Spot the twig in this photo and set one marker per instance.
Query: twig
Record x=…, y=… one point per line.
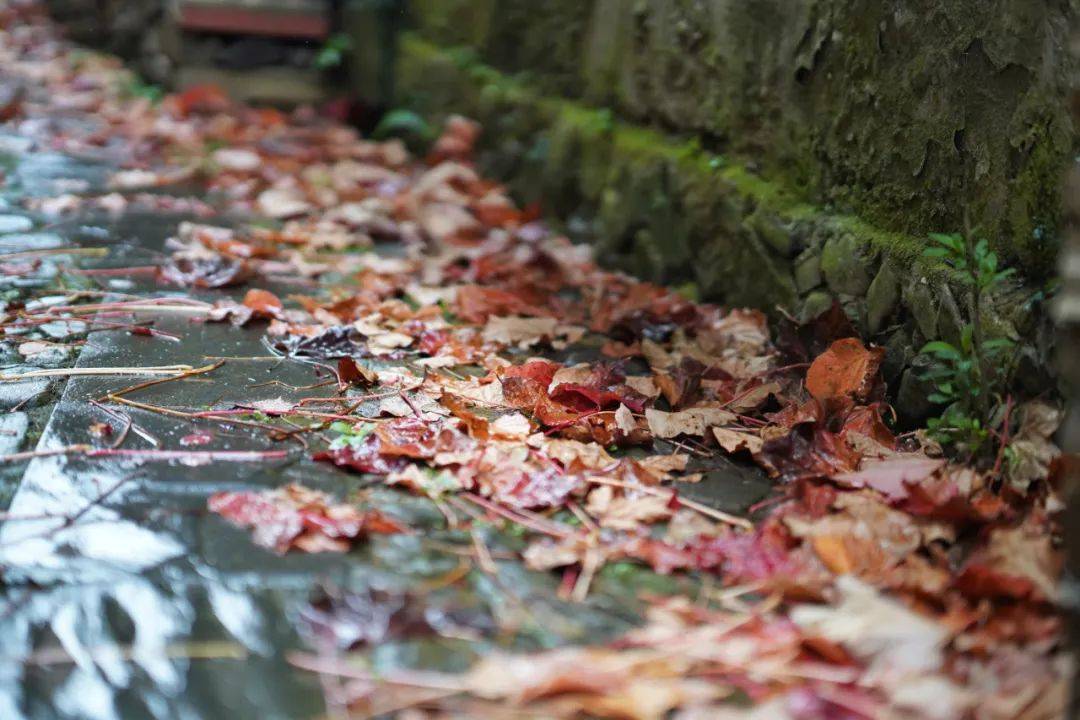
x=1004, y=437
x=92, y=252
x=692, y=504
x=77, y=372
x=589, y=565
x=435, y=681
x=538, y=524
x=187, y=372
x=483, y=555
x=154, y=454
x=132, y=426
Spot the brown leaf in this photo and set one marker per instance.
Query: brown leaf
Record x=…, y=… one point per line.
x=263, y=304
x=1018, y=562
x=735, y=440
x=846, y=370
x=353, y=373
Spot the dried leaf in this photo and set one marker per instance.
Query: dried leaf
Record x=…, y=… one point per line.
x=846, y=370
x=694, y=421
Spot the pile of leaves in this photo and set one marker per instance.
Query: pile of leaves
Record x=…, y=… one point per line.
x=881, y=580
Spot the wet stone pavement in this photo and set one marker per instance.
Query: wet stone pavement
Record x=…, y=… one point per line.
x=123, y=597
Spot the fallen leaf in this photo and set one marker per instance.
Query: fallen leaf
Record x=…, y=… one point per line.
x=262, y=303
x=735, y=440
x=694, y=421
x=891, y=477
x=895, y=641
x=354, y=373
x=1018, y=563
x=296, y=517
x=846, y=370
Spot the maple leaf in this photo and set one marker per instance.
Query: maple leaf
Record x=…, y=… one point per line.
x=808, y=451
x=296, y=517
x=847, y=370
x=735, y=440
x=1018, y=562
x=476, y=304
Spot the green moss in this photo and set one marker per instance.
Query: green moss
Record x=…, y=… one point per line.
x=1034, y=209
x=659, y=205
x=452, y=22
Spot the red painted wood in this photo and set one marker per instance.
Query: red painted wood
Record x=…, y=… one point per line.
x=253, y=21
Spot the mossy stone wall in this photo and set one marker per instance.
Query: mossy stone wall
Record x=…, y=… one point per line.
x=906, y=112
x=771, y=157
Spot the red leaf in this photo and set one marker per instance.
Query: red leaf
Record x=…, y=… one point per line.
x=296, y=517
x=408, y=437
x=198, y=99
x=364, y=458
x=476, y=304
x=1018, y=563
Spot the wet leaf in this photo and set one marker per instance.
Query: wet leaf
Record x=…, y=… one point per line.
x=846, y=370
x=295, y=517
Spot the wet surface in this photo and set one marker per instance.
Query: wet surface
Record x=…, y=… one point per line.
x=124, y=598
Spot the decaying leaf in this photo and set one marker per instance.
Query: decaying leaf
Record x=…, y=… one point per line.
x=735, y=440
x=295, y=517
x=846, y=370
x=694, y=421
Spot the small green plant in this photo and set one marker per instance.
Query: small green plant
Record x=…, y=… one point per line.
x=333, y=52
x=350, y=435
x=968, y=379
x=137, y=88
x=407, y=125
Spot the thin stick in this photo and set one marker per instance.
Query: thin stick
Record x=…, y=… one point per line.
x=76, y=372
x=92, y=252
x=92, y=452
x=314, y=663
x=187, y=372
x=539, y=524
x=483, y=555
x=583, y=516
x=171, y=412
x=591, y=562
x=693, y=505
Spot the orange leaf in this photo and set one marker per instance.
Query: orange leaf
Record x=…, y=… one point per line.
x=262, y=302
x=834, y=553
x=846, y=369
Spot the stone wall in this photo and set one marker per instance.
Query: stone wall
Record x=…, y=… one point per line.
x=762, y=185
x=905, y=112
